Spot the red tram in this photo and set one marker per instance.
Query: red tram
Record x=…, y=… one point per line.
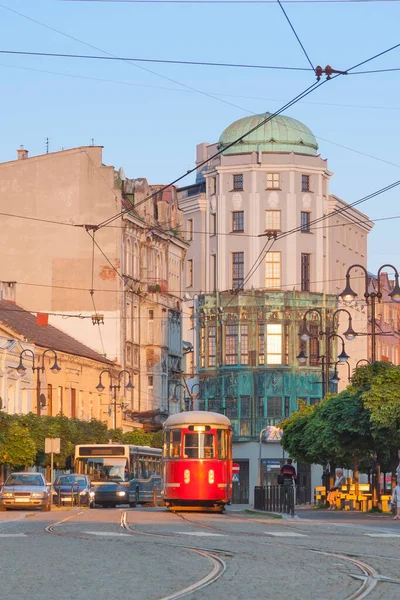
x=197, y=461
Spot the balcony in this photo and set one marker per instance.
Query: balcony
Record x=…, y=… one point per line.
x=157, y=286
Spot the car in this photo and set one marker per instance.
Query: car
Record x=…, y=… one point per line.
x=73, y=489
x=25, y=490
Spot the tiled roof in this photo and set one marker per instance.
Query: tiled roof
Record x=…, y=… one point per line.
x=24, y=323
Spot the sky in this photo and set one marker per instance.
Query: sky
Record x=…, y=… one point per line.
x=150, y=125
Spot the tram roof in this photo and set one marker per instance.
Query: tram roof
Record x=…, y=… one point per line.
x=197, y=417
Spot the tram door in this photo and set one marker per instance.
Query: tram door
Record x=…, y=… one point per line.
x=240, y=491
x=303, y=483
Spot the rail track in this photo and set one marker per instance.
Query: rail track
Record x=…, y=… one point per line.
x=366, y=574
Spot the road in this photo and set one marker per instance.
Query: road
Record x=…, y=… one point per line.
x=152, y=554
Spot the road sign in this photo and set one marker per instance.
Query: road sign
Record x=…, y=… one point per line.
x=52, y=445
x=235, y=478
x=235, y=468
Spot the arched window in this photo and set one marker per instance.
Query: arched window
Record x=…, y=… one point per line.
x=136, y=266
x=128, y=257
x=158, y=268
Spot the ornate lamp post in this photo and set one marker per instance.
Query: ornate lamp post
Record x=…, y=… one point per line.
x=348, y=295
x=21, y=369
x=325, y=359
x=114, y=387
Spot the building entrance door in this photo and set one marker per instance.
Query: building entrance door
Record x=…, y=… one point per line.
x=303, y=483
x=240, y=489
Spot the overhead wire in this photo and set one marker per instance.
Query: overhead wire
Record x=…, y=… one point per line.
x=296, y=35
x=97, y=322
x=153, y=60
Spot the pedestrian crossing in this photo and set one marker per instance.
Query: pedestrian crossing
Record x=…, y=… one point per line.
x=12, y=535
x=285, y=534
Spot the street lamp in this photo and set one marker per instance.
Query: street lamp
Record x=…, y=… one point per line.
x=305, y=335
x=361, y=361
x=114, y=387
x=348, y=295
x=21, y=370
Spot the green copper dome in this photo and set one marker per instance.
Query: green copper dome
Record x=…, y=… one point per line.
x=280, y=134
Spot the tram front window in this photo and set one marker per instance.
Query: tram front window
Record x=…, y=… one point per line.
x=104, y=469
x=199, y=445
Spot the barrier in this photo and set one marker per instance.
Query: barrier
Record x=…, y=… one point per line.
x=275, y=498
x=350, y=497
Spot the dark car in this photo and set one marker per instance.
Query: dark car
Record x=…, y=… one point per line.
x=25, y=490
x=73, y=489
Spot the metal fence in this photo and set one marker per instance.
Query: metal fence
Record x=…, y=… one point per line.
x=275, y=498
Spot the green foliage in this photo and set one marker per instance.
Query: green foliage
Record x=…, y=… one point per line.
x=17, y=448
x=22, y=438
x=157, y=439
x=363, y=419
x=138, y=437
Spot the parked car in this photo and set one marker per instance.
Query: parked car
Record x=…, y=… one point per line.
x=73, y=489
x=25, y=490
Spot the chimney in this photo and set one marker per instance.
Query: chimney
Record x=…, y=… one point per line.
x=22, y=153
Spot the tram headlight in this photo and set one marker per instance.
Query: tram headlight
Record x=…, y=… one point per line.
x=121, y=493
x=211, y=478
x=186, y=476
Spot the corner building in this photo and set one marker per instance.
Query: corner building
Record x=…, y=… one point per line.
x=257, y=262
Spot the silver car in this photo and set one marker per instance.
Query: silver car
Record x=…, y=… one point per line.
x=25, y=490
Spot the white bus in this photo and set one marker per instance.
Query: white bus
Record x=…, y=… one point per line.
x=120, y=473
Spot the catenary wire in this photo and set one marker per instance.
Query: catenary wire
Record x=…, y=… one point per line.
x=300, y=96
x=152, y=60
x=188, y=91
x=295, y=34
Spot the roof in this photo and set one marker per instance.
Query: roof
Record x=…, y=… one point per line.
x=197, y=417
x=279, y=134
x=24, y=323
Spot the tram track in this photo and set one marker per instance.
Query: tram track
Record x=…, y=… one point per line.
x=366, y=573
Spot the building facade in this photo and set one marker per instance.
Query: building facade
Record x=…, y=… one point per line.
x=115, y=288
x=272, y=245
x=71, y=391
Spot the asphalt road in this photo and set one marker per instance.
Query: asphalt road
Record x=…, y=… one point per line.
x=152, y=554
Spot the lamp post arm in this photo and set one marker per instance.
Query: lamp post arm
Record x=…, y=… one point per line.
x=109, y=374
x=396, y=274
x=123, y=372
x=366, y=294
x=313, y=310
x=30, y=352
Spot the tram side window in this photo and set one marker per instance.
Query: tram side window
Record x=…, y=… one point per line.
x=199, y=445
x=222, y=437
x=143, y=469
x=175, y=439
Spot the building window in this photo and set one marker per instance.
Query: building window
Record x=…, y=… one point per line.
x=151, y=315
x=238, y=220
x=238, y=182
x=314, y=401
x=287, y=406
x=314, y=358
x=212, y=345
x=305, y=183
x=231, y=344
x=274, y=407
x=237, y=269
x=274, y=344
x=191, y=316
x=273, y=271
x=231, y=408
x=189, y=273
x=305, y=272
x=261, y=344
x=189, y=231
x=286, y=344
x=244, y=407
x=273, y=181
x=213, y=224
x=244, y=344
x=272, y=220
x=150, y=382
x=260, y=407
x=202, y=358
x=305, y=222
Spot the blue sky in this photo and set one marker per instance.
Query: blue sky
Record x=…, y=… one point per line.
x=151, y=126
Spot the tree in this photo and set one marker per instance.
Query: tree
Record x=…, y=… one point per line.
x=17, y=448
x=157, y=439
x=138, y=437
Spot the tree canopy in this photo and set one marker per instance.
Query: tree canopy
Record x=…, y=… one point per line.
x=22, y=438
x=363, y=419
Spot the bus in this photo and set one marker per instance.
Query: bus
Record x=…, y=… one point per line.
x=197, y=461
x=121, y=473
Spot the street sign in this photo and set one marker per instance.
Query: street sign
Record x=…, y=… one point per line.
x=52, y=445
x=235, y=478
x=235, y=468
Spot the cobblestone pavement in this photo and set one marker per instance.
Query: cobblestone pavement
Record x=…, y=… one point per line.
x=152, y=554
